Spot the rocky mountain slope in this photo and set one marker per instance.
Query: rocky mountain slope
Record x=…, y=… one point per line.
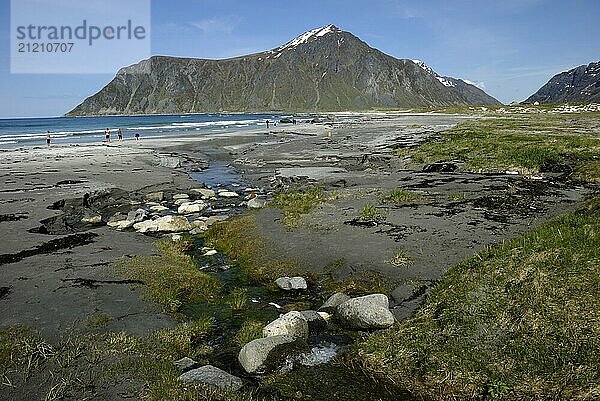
x=325, y=69
x=581, y=84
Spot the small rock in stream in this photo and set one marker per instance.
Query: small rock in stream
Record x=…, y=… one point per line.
x=214, y=376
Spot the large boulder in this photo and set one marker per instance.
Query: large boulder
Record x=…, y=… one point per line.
x=167, y=224
x=291, y=283
x=292, y=324
x=192, y=207
x=368, y=312
x=268, y=353
x=333, y=302
x=214, y=376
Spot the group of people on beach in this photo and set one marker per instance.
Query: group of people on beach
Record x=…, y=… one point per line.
x=119, y=135
x=107, y=135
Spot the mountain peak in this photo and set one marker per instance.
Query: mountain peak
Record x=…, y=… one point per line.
x=579, y=84
x=307, y=36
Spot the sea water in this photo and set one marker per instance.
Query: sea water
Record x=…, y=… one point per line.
x=65, y=130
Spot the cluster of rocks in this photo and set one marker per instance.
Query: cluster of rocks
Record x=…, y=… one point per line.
x=288, y=334
x=191, y=212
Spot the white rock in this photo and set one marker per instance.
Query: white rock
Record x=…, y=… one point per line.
x=210, y=253
x=228, y=194
x=156, y=196
x=253, y=355
x=291, y=283
x=94, y=219
x=184, y=363
x=192, y=207
x=293, y=324
x=158, y=208
x=257, y=203
x=368, y=312
x=181, y=196
x=164, y=224
x=205, y=193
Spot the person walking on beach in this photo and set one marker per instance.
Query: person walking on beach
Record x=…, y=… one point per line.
x=107, y=135
x=48, y=139
x=137, y=136
x=267, y=124
x=119, y=134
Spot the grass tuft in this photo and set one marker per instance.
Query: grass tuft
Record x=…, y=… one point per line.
x=401, y=259
x=400, y=195
x=369, y=212
x=171, y=277
x=98, y=321
x=250, y=330
x=528, y=143
x=296, y=203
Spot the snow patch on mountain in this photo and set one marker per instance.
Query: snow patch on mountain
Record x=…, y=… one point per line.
x=428, y=69
x=306, y=36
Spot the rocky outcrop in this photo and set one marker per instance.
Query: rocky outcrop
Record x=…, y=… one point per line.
x=580, y=84
x=326, y=69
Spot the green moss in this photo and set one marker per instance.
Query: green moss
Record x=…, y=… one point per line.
x=517, y=321
x=250, y=330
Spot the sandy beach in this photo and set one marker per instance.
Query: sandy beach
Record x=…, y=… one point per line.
x=57, y=252
x=55, y=288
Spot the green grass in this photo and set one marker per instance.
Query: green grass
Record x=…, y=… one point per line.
x=527, y=143
x=517, y=321
x=76, y=367
x=243, y=244
x=238, y=299
x=296, y=203
x=457, y=197
x=400, y=195
x=369, y=212
x=171, y=277
x=250, y=330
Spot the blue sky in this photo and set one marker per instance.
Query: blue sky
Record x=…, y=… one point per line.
x=509, y=47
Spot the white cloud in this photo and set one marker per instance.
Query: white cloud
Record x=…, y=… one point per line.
x=216, y=25
x=480, y=85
